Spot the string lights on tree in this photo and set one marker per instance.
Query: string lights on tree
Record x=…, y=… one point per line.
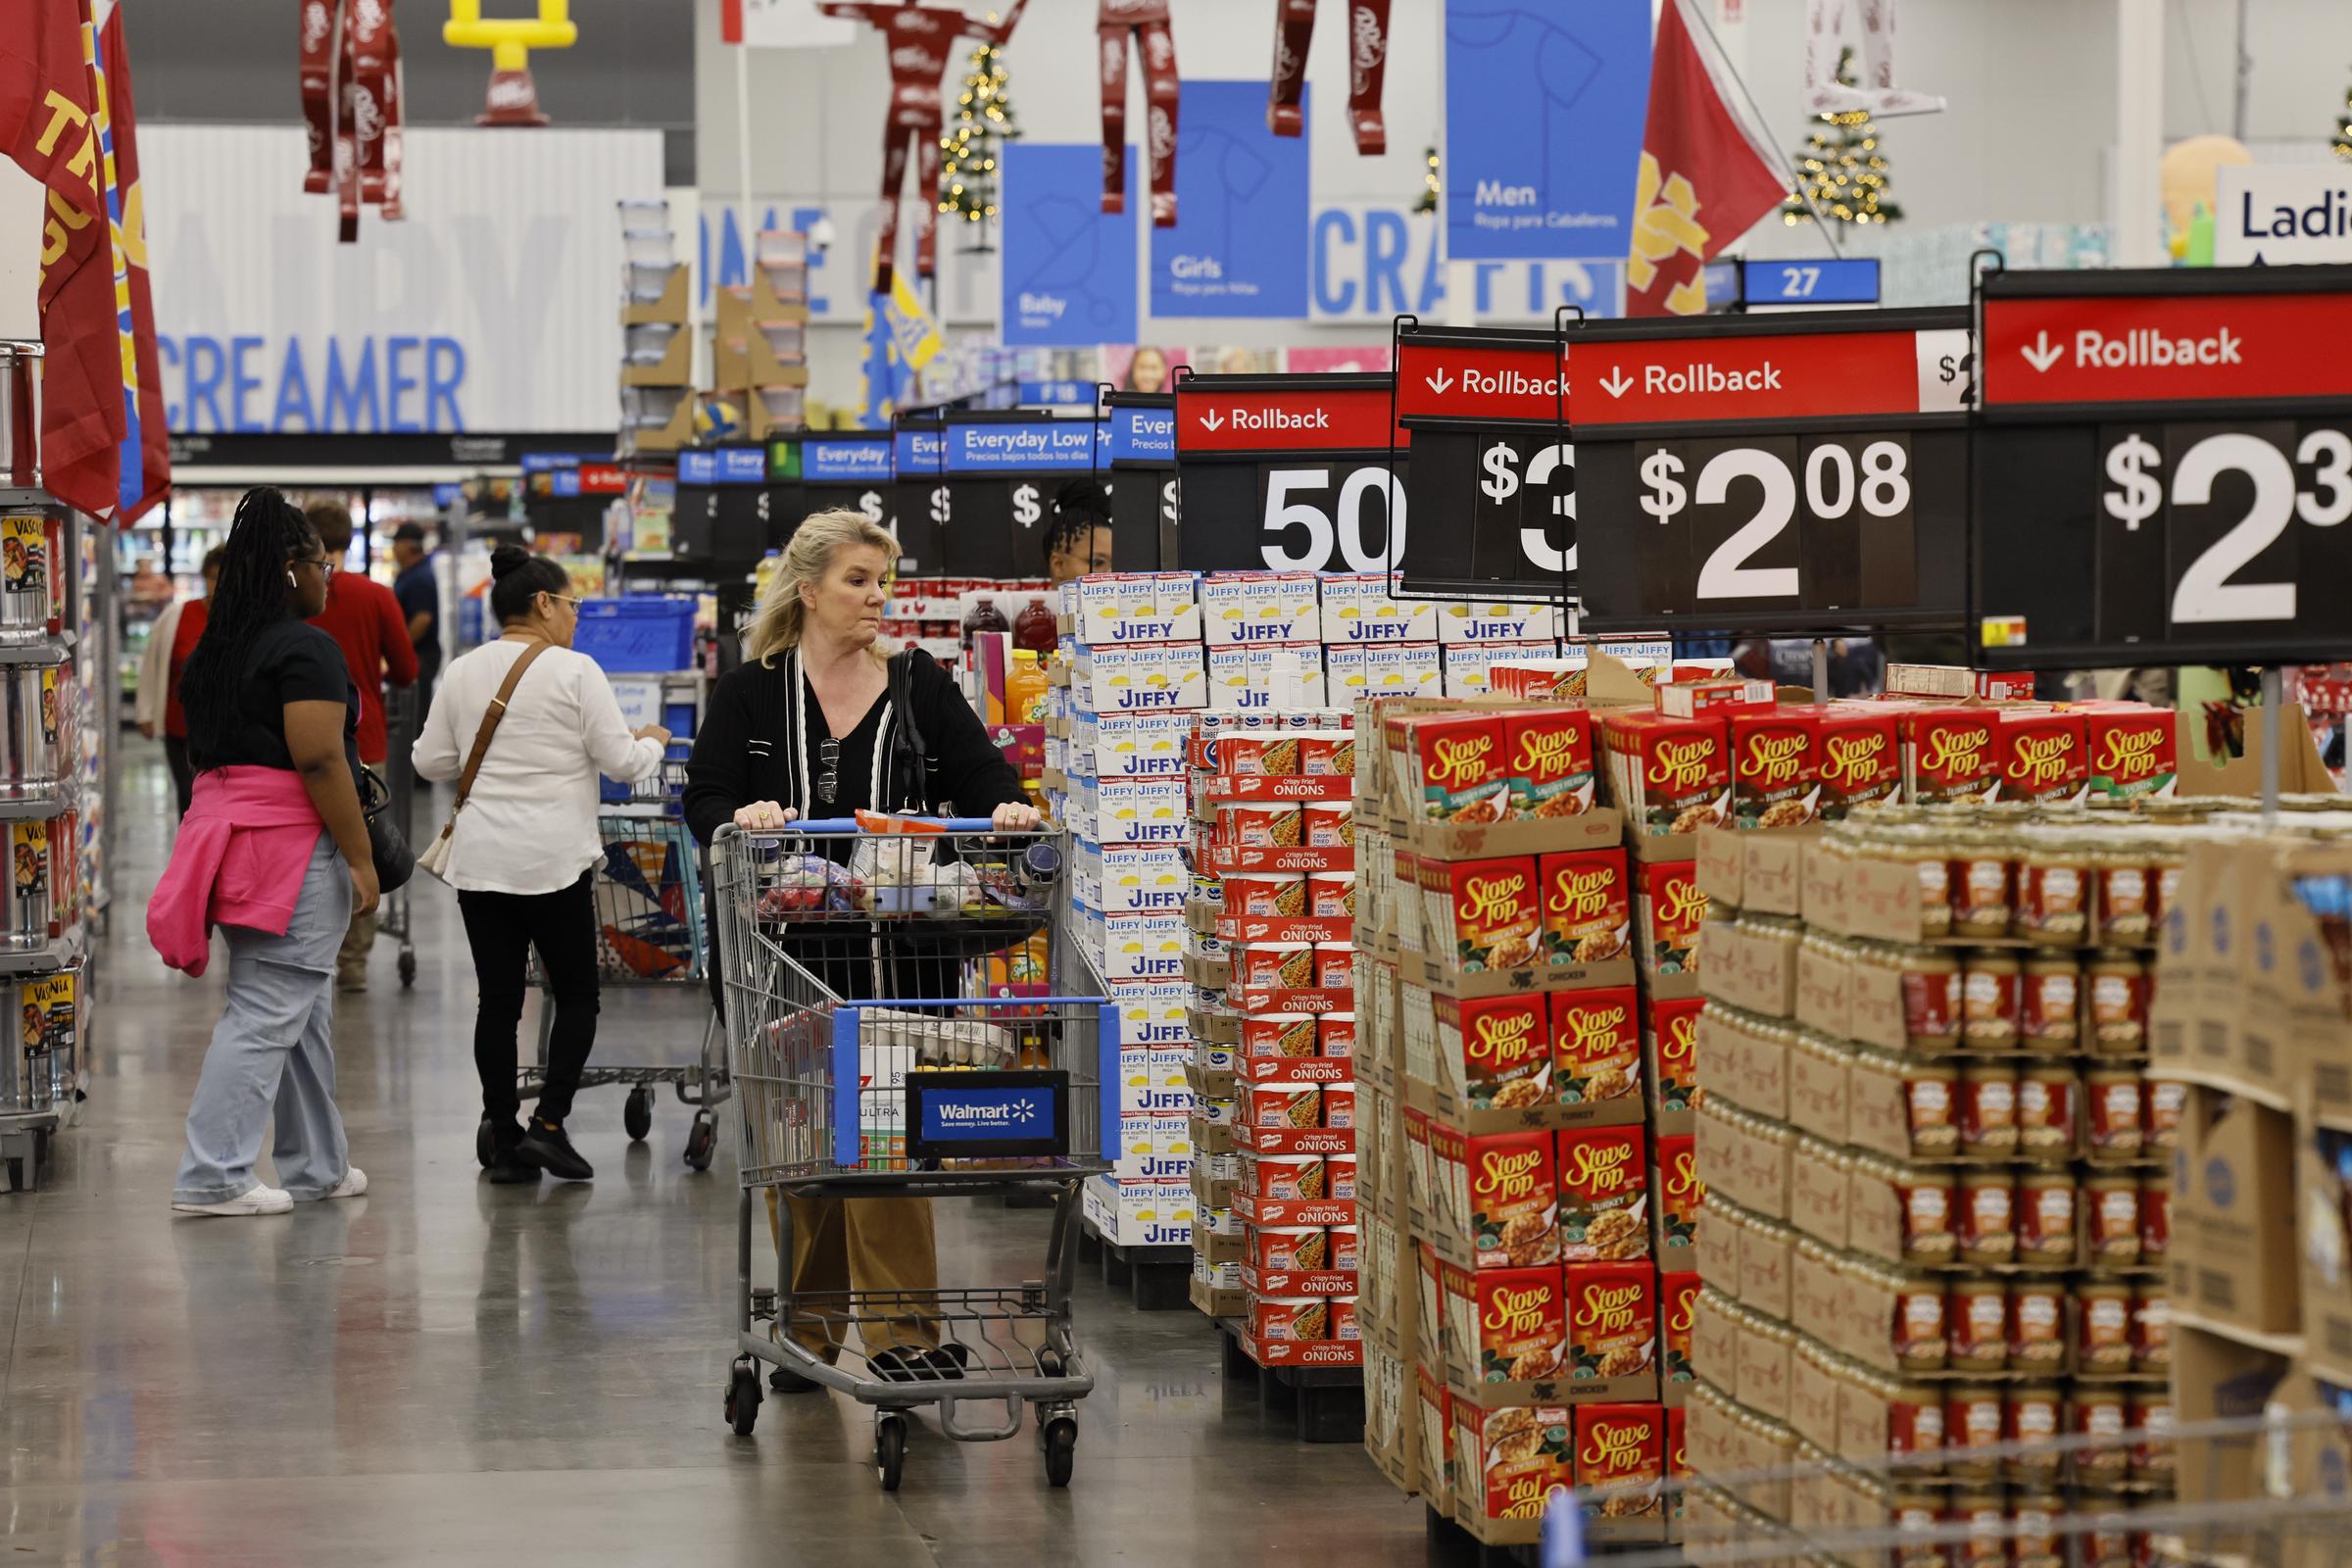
x=2342, y=145
x=1429, y=183
x=975, y=145
x=1843, y=170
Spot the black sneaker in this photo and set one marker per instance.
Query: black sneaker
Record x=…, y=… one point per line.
x=511, y=1169
x=910, y=1364
x=545, y=1144
x=784, y=1379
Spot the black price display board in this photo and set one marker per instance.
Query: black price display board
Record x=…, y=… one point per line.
x=787, y=504
x=1289, y=473
x=2163, y=468
x=1493, y=486
x=1141, y=480
x=850, y=471
x=722, y=507
x=926, y=503
x=1002, y=469
x=1789, y=475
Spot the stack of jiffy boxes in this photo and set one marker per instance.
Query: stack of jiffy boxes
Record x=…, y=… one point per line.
x=1125, y=688
x=1935, y=1164
x=1526, y=1203
x=1271, y=914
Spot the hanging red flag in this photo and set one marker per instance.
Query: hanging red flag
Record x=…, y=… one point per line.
x=1708, y=169
x=146, y=451
x=49, y=124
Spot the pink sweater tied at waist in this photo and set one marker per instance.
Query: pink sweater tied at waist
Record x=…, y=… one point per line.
x=243, y=851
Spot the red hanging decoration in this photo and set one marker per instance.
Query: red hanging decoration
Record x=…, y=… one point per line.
x=1367, y=69
x=1155, y=48
x=351, y=91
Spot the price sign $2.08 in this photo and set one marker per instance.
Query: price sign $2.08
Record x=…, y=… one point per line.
x=2197, y=526
x=1797, y=522
x=1330, y=518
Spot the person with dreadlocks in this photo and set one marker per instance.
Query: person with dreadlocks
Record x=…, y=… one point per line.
x=1078, y=539
x=274, y=852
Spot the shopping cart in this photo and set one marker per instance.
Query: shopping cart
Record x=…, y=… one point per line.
x=921, y=1093
x=400, y=782
x=648, y=893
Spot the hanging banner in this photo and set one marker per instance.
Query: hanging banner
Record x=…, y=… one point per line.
x=1789, y=474
x=1069, y=273
x=1543, y=114
x=1288, y=474
x=1239, y=246
x=2163, y=468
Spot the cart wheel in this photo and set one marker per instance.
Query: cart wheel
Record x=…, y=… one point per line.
x=743, y=1398
x=637, y=1114
x=702, y=1141
x=890, y=1448
x=408, y=967
x=485, y=1144
x=1062, y=1450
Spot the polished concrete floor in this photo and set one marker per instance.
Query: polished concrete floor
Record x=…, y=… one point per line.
x=453, y=1374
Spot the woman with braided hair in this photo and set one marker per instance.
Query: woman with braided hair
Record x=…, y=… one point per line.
x=1078, y=538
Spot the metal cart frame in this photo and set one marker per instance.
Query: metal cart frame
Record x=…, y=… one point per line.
x=803, y=1062
x=393, y=916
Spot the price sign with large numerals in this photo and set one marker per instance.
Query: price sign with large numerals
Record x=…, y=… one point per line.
x=1002, y=472
x=924, y=503
x=1788, y=474
x=2163, y=470
x=1490, y=449
x=1142, y=481
x=1290, y=473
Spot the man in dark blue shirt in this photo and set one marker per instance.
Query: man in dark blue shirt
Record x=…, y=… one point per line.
x=419, y=596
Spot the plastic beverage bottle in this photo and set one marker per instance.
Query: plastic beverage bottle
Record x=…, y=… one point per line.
x=984, y=615
x=1034, y=628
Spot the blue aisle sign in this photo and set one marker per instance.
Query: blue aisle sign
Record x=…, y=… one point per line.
x=1068, y=270
x=698, y=467
x=845, y=462
x=1239, y=247
x=921, y=451
x=1543, y=112
x=1055, y=394
x=1009, y=448
x=1828, y=280
x=1143, y=435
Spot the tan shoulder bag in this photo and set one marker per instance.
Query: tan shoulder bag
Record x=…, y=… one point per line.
x=435, y=858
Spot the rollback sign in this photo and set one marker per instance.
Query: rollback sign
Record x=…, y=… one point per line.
x=1487, y=411
x=1142, y=456
x=1785, y=474
x=1003, y=470
x=2179, y=441
x=1289, y=473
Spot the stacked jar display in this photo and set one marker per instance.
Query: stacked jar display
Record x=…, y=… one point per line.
x=1937, y=1171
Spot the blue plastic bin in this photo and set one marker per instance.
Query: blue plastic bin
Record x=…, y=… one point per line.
x=644, y=634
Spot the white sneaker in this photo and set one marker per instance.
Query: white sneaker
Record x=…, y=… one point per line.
x=353, y=1185
x=259, y=1200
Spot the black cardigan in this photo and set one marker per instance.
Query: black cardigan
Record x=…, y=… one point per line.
x=751, y=743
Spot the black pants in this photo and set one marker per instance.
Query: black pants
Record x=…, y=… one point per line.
x=502, y=928
x=183, y=771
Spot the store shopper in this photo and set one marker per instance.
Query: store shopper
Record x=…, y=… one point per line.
x=1078, y=539
x=533, y=723
x=274, y=852
x=419, y=589
x=170, y=642
x=820, y=722
x=363, y=619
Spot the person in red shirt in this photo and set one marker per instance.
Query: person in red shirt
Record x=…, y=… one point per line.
x=366, y=621
x=169, y=645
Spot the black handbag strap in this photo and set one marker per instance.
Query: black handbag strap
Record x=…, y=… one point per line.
x=901, y=704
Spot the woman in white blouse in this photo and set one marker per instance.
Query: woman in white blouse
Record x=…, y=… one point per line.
x=523, y=851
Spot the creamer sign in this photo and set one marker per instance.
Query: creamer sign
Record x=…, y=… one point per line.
x=391, y=384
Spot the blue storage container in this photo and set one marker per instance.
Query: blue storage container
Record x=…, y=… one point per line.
x=644, y=634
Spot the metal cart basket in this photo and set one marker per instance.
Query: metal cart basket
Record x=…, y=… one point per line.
x=920, y=1093
x=648, y=893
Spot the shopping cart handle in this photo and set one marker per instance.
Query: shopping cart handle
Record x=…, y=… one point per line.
x=848, y=825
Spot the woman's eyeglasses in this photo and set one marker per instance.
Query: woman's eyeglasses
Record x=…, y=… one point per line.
x=326, y=568
x=828, y=779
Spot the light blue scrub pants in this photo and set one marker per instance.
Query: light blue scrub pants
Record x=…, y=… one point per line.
x=274, y=1050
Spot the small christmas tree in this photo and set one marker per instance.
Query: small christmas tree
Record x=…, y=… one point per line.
x=1427, y=202
x=2342, y=145
x=1843, y=171
x=973, y=145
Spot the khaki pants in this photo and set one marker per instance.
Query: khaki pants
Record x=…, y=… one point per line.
x=864, y=1244
x=351, y=960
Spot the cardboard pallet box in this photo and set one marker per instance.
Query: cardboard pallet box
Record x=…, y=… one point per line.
x=2234, y=1257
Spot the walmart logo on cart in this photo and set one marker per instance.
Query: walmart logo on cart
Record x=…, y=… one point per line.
x=988, y=1113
